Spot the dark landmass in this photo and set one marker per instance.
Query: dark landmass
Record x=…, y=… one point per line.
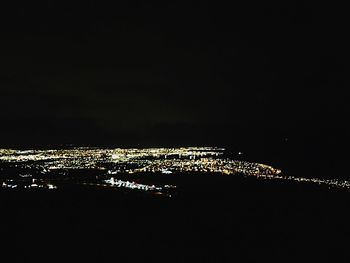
x=222, y=219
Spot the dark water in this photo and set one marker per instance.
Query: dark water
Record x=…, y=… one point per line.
x=212, y=220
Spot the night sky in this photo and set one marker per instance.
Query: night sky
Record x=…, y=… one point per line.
x=245, y=75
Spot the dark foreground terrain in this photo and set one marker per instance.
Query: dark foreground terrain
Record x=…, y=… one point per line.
x=230, y=219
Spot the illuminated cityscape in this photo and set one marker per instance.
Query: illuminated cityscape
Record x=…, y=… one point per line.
x=128, y=168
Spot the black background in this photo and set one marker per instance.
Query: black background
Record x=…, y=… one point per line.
x=269, y=79
x=203, y=73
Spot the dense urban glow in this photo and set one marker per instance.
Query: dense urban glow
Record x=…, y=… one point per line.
x=106, y=167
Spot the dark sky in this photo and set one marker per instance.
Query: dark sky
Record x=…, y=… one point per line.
x=174, y=73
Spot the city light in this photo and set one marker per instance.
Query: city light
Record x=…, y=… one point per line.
x=49, y=168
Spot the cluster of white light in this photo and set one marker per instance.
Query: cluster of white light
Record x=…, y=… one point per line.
x=7, y=185
x=13, y=184
x=203, y=165
x=132, y=185
x=326, y=182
